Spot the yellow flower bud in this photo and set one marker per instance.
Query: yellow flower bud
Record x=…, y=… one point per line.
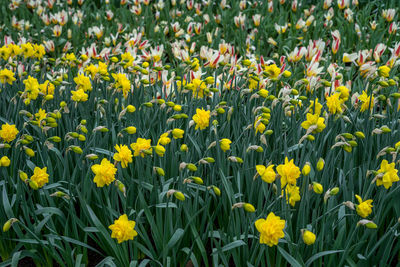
x=160, y=171
x=7, y=225
x=318, y=188
x=249, y=208
x=130, y=108
x=269, y=132
x=306, y=169
x=130, y=130
x=286, y=74
x=160, y=150
x=81, y=138
x=29, y=152
x=308, y=237
x=359, y=135
x=197, y=180
x=334, y=191
x=55, y=139
x=320, y=164
x=76, y=149
x=5, y=161
x=33, y=185
x=22, y=175
x=209, y=159
x=179, y=195
x=184, y=148
x=216, y=190
x=192, y=167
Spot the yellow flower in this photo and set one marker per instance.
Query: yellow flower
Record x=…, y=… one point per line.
x=225, y=144
x=271, y=229
x=79, y=96
x=272, y=71
x=164, y=139
x=92, y=70
x=123, y=229
x=388, y=174
x=289, y=172
x=124, y=155
x=308, y=237
x=6, y=76
x=83, y=82
x=292, y=194
x=198, y=88
x=122, y=82
x=27, y=49
x=140, y=146
x=177, y=133
x=40, y=176
x=263, y=93
x=104, y=173
x=47, y=88
x=8, y=132
x=317, y=105
x=314, y=120
x=344, y=92
x=40, y=116
x=201, y=118
x=366, y=101
x=364, y=208
x=267, y=173
x=260, y=127
x=103, y=69
x=334, y=103
x=31, y=87
x=383, y=71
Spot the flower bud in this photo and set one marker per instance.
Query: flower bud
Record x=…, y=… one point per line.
x=334, y=191
x=360, y=135
x=197, y=180
x=29, y=152
x=308, y=237
x=130, y=130
x=306, y=169
x=318, y=188
x=269, y=132
x=191, y=167
x=5, y=161
x=209, y=159
x=216, y=190
x=160, y=171
x=22, y=175
x=130, y=108
x=9, y=223
x=55, y=139
x=320, y=164
x=184, y=148
x=33, y=185
x=248, y=207
x=76, y=149
x=179, y=195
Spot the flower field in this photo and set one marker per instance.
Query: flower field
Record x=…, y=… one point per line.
x=199, y=133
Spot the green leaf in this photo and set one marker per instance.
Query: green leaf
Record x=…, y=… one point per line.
x=321, y=254
x=292, y=261
x=175, y=238
x=231, y=245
